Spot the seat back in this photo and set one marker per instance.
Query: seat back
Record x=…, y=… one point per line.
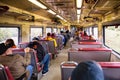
x=87, y=40
x=66, y=69
x=111, y=70
x=44, y=45
x=87, y=45
x=51, y=47
x=23, y=44
x=9, y=75
x=85, y=55
x=3, y=75
x=34, y=61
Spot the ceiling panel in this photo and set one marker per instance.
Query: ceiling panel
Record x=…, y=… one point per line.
x=66, y=8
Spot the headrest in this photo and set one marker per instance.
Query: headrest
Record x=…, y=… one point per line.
x=110, y=64
x=94, y=49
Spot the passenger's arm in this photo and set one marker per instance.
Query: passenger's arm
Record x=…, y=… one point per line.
x=27, y=57
x=55, y=43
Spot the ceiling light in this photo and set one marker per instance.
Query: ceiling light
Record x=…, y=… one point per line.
x=78, y=20
x=78, y=11
x=38, y=4
x=78, y=17
x=60, y=17
x=52, y=12
x=79, y=3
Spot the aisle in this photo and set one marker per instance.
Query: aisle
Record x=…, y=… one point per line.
x=54, y=70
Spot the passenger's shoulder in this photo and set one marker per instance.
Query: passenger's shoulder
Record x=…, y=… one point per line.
x=18, y=56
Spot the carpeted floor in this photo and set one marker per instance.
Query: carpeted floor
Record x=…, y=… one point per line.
x=54, y=70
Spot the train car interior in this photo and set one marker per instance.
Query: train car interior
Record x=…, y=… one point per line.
x=80, y=30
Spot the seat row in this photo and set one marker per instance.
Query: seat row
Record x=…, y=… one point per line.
x=5, y=72
x=85, y=51
x=111, y=70
x=37, y=69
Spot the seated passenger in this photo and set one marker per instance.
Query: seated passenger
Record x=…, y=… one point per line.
x=91, y=37
x=53, y=35
x=43, y=58
x=85, y=37
x=17, y=64
x=9, y=43
x=89, y=70
x=51, y=39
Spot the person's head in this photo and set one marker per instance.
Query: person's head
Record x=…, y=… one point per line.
x=7, y=52
x=48, y=34
x=9, y=43
x=88, y=70
x=53, y=35
x=35, y=39
x=61, y=32
x=85, y=34
x=91, y=37
x=33, y=45
x=67, y=31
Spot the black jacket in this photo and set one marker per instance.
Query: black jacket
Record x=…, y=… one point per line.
x=40, y=50
x=3, y=48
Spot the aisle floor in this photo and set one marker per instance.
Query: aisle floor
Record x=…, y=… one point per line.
x=54, y=70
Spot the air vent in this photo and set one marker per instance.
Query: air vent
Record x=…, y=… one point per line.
x=59, y=4
x=90, y=1
x=3, y=9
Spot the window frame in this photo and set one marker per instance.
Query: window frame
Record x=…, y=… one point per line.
x=105, y=38
x=50, y=28
x=33, y=26
x=14, y=26
x=53, y=30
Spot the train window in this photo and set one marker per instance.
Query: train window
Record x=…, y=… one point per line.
x=36, y=31
x=48, y=30
x=95, y=32
x=54, y=30
x=61, y=29
x=9, y=32
x=90, y=30
x=58, y=30
x=87, y=30
x=112, y=37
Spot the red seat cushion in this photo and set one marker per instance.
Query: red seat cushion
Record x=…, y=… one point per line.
x=94, y=49
x=110, y=64
x=10, y=77
x=89, y=43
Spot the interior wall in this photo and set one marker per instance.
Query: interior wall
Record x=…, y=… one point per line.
x=7, y=20
x=115, y=58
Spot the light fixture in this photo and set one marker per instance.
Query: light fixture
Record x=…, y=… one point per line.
x=61, y=17
x=78, y=17
x=79, y=3
x=78, y=20
x=78, y=11
x=52, y=12
x=38, y=4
